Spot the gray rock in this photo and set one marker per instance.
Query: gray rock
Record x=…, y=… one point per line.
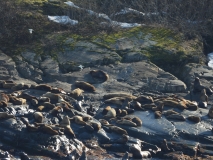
x=31, y=58
x=133, y=57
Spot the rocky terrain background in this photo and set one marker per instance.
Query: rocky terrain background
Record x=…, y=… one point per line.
x=144, y=60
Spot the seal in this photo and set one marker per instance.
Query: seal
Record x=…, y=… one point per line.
x=40, y=108
x=85, y=86
x=34, y=102
x=159, y=107
x=103, y=122
x=5, y=115
x=144, y=99
x=116, y=100
x=54, y=97
x=175, y=103
x=48, y=105
x=38, y=117
x=169, y=112
x=210, y=113
x=117, y=130
x=123, y=140
x=176, y=117
x=109, y=112
x=137, y=120
x=198, y=87
x=8, y=84
x=76, y=93
x=124, y=95
x=3, y=104
x=65, y=123
x=137, y=153
x=126, y=122
x=78, y=120
x=4, y=97
x=95, y=125
x=17, y=101
x=99, y=75
x=43, y=87
x=136, y=105
x=47, y=129
x=56, y=110
x=164, y=146
x=158, y=114
x=193, y=118
x=19, y=86
x=203, y=96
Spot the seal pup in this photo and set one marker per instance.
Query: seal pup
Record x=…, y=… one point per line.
x=198, y=87
x=109, y=112
x=99, y=75
x=38, y=117
x=85, y=86
x=5, y=115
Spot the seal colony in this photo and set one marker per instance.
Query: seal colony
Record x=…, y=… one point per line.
x=116, y=113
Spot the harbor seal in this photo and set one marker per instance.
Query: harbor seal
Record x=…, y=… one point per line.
x=85, y=86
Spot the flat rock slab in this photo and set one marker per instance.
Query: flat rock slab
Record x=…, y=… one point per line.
x=128, y=77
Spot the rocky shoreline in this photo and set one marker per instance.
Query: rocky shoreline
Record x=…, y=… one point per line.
x=138, y=90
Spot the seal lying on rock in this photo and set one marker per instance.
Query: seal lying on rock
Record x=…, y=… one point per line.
x=65, y=123
x=198, y=86
x=193, y=118
x=76, y=93
x=137, y=153
x=38, y=117
x=109, y=112
x=5, y=115
x=78, y=120
x=116, y=100
x=99, y=75
x=85, y=86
